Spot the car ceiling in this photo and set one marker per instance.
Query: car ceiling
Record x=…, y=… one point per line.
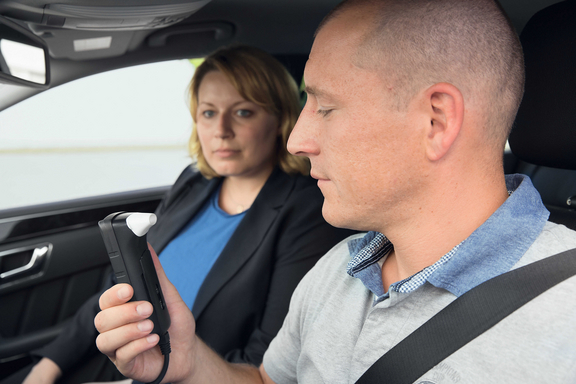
x=281, y=27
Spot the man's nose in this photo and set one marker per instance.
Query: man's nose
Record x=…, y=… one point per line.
x=303, y=140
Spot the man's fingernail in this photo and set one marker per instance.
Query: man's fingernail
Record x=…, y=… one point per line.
x=145, y=326
x=144, y=309
x=123, y=293
x=151, y=339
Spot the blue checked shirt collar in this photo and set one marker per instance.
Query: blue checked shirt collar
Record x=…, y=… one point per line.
x=489, y=251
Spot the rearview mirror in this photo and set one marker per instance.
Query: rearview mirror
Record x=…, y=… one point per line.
x=24, y=56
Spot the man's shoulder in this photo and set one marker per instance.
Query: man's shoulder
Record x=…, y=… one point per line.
x=553, y=239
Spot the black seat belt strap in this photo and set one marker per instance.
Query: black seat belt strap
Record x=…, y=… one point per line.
x=467, y=317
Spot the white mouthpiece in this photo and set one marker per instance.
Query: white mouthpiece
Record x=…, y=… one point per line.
x=140, y=223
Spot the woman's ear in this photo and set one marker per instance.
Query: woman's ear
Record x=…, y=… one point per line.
x=446, y=106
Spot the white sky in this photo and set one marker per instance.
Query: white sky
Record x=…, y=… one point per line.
x=143, y=105
x=60, y=144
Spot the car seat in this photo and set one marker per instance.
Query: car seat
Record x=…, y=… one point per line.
x=544, y=135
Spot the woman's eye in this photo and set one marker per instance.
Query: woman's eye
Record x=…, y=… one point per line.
x=208, y=114
x=243, y=113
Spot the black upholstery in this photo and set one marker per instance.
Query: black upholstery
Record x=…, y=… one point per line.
x=544, y=135
x=556, y=186
x=545, y=132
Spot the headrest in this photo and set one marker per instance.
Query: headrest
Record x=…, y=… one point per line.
x=545, y=128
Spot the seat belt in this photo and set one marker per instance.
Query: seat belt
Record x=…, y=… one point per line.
x=466, y=318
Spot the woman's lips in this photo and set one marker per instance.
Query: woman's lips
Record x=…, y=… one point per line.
x=223, y=152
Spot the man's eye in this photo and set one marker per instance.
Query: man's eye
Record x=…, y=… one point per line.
x=243, y=113
x=208, y=114
x=324, y=112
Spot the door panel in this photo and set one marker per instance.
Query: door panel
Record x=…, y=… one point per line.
x=71, y=265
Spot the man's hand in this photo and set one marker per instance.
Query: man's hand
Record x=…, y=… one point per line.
x=125, y=333
x=45, y=372
x=126, y=339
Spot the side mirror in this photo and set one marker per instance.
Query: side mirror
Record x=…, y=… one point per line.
x=24, y=56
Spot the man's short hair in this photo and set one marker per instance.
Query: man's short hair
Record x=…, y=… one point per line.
x=468, y=43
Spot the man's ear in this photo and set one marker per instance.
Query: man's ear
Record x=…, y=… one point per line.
x=446, y=105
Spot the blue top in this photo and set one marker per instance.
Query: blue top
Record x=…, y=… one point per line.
x=511, y=229
x=188, y=258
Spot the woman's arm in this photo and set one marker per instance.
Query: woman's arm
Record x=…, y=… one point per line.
x=76, y=342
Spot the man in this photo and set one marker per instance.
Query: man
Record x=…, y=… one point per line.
x=409, y=106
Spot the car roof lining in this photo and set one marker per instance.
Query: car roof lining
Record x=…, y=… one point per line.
x=282, y=27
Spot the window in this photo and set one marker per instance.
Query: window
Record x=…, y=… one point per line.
x=116, y=131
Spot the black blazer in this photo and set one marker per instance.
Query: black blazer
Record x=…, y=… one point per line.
x=243, y=301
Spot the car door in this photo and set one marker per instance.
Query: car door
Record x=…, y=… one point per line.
x=52, y=259
x=68, y=157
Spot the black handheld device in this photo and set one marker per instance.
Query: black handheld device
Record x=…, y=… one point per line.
x=124, y=235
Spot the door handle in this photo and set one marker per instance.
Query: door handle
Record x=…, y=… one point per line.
x=14, y=262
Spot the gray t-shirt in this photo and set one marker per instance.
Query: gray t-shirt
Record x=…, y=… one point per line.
x=335, y=329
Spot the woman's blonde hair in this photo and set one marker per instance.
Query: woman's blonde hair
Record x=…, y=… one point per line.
x=261, y=79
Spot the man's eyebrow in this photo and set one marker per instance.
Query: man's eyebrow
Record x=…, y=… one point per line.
x=310, y=90
x=318, y=92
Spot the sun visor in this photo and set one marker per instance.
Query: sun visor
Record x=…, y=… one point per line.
x=83, y=45
x=106, y=18
x=84, y=31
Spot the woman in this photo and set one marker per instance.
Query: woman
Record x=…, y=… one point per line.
x=236, y=233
